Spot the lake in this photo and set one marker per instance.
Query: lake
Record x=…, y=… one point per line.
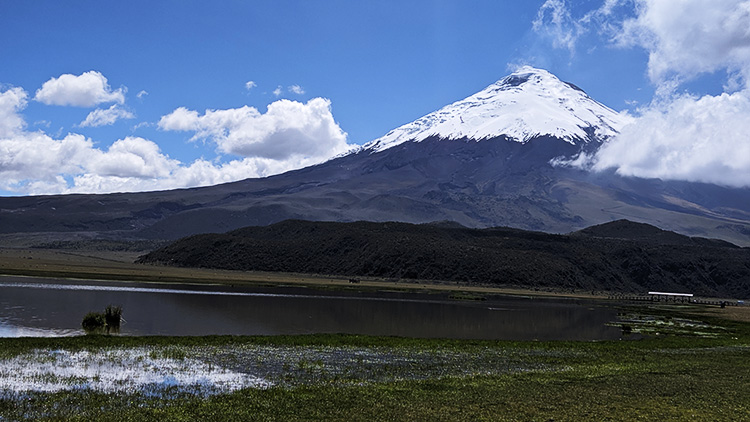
x=49, y=307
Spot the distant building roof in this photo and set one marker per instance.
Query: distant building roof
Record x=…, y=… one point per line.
x=671, y=294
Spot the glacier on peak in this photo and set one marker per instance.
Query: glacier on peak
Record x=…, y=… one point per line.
x=526, y=104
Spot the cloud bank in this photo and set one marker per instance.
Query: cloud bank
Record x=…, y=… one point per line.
x=679, y=136
x=703, y=139
x=289, y=135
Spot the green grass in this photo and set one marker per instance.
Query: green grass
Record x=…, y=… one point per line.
x=675, y=376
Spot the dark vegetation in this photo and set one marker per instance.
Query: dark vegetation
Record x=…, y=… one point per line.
x=103, y=245
x=93, y=322
x=621, y=256
x=107, y=322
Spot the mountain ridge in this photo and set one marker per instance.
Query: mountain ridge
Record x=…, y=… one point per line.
x=491, y=256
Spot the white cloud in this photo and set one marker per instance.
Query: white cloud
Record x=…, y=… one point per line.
x=180, y=119
x=132, y=157
x=38, y=163
x=296, y=89
x=198, y=173
x=142, y=93
x=86, y=90
x=140, y=125
x=695, y=139
x=694, y=37
x=681, y=137
x=277, y=92
x=35, y=157
x=287, y=131
x=555, y=22
x=684, y=137
x=35, y=163
x=250, y=85
x=104, y=117
x=11, y=102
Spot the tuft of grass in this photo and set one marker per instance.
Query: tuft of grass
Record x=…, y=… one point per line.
x=112, y=318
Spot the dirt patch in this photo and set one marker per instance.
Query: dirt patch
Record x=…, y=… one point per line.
x=732, y=313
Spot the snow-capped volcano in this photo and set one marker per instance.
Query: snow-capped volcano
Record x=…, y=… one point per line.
x=526, y=104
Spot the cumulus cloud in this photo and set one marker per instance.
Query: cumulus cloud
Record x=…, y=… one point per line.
x=694, y=139
x=142, y=93
x=698, y=36
x=11, y=102
x=86, y=90
x=181, y=119
x=132, y=157
x=682, y=136
x=104, y=117
x=36, y=157
x=250, y=85
x=36, y=163
x=288, y=130
x=277, y=92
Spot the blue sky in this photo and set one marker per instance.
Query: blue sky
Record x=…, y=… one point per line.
x=113, y=96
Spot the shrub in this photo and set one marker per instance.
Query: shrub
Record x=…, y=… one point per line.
x=93, y=322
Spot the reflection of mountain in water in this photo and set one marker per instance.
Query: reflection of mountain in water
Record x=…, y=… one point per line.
x=302, y=312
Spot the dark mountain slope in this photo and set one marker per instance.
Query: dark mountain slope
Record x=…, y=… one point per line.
x=500, y=256
x=494, y=182
x=645, y=233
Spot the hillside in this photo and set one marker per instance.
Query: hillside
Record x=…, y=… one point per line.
x=591, y=259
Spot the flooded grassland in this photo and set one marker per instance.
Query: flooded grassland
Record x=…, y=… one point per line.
x=674, y=375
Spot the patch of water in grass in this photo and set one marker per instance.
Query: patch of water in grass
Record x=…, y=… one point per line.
x=116, y=370
x=660, y=325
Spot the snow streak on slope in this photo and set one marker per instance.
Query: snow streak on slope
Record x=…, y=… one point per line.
x=524, y=105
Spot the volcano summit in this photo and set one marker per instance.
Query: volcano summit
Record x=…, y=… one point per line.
x=482, y=161
x=528, y=104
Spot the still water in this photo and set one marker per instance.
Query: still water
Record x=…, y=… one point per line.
x=48, y=307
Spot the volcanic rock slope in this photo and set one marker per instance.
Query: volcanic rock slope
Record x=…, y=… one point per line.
x=483, y=161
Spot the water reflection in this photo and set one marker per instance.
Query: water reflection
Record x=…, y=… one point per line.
x=36, y=307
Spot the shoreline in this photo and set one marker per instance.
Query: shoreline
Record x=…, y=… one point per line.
x=51, y=263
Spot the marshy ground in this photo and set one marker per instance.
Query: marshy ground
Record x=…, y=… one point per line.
x=672, y=377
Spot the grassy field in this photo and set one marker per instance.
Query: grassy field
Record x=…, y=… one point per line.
x=694, y=365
